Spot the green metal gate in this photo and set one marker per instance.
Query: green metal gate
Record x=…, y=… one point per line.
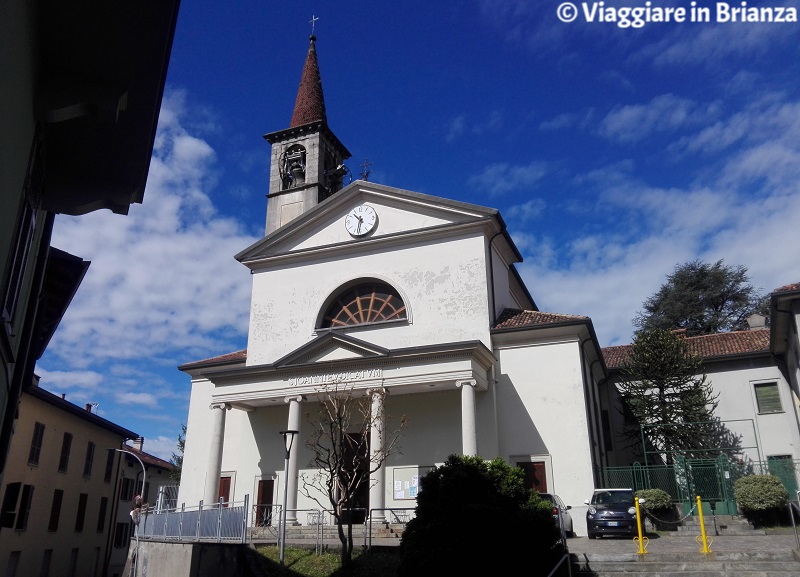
x=711, y=479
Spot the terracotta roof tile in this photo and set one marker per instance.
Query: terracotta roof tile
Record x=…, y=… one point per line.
x=706, y=346
x=515, y=318
x=788, y=288
x=149, y=459
x=310, y=103
x=228, y=357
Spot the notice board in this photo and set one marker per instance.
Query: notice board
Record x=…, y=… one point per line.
x=406, y=481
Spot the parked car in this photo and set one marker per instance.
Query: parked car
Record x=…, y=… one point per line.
x=561, y=513
x=611, y=512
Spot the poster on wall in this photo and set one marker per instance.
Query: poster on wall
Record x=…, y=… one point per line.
x=406, y=481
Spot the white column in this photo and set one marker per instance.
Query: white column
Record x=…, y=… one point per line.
x=469, y=433
x=291, y=475
x=377, y=496
x=214, y=468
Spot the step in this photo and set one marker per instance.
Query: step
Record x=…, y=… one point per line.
x=781, y=563
x=684, y=571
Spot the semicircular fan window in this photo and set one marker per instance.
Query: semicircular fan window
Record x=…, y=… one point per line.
x=365, y=303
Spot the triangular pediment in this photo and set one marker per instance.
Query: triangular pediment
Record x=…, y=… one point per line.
x=331, y=347
x=400, y=214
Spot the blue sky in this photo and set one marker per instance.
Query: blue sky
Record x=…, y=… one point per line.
x=614, y=154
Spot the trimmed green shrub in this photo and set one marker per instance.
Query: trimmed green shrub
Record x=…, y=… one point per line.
x=655, y=500
x=762, y=498
x=760, y=493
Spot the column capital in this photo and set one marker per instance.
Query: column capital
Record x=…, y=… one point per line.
x=378, y=391
x=295, y=398
x=223, y=406
x=470, y=382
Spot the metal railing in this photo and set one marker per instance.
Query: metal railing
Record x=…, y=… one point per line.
x=792, y=508
x=218, y=522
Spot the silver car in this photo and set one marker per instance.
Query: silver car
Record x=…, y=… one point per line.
x=561, y=513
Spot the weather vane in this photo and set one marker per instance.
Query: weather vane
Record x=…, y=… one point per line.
x=365, y=169
x=313, y=21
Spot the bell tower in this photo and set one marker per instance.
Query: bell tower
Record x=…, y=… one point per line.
x=306, y=165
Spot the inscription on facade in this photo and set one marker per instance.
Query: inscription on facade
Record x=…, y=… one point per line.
x=335, y=378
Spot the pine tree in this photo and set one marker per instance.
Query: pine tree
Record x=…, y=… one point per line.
x=703, y=299
x=666, y=397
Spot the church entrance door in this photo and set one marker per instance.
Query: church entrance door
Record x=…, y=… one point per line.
x=356, y=458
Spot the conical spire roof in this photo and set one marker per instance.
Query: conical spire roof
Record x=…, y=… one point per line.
x=310, y=103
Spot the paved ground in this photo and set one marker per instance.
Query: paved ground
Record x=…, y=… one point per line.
x=680, y=543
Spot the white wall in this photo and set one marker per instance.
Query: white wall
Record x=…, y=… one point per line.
x=443, y=285
x=540, y=399
x=774, y=433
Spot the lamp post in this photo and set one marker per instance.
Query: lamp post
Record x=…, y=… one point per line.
x=288, y=438
x=136, y=521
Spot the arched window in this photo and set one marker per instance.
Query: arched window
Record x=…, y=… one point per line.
x=370, y=302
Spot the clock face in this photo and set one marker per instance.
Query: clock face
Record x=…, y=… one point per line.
x=361, y=220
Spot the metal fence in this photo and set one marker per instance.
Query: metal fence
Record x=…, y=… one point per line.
x=218, y=522
x=711, y=479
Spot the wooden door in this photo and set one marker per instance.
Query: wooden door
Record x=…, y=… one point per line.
x=225, y=490
x=266, y=488
x=358, y=466
x=535, y=475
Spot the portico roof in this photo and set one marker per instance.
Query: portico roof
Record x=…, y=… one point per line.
x=346, y=362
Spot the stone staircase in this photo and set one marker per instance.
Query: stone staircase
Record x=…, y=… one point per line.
x=739, y=550
x=719, y=525
x=723, y=564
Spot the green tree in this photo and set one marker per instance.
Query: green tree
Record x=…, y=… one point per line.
x=666, y=396
x=703, y=299
x=477, y=517
x=177, y=458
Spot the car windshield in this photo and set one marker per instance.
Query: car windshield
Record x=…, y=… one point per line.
x=612, y=497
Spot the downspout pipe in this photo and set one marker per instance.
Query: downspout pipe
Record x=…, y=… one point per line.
x=491, y=274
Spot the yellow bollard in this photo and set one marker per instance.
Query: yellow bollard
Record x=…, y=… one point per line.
x=704, y=543
x=642, y=549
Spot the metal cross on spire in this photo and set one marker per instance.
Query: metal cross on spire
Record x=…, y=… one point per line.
x=365, y=169
x=313, y=21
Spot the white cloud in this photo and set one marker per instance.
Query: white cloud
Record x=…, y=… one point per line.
x=161, y=446
x=138, y=400
x=455, y=128
x=68, y=380
x=709, y=45
x=460, y=125
x=163, y=278
x=527, y=211
x=743, y=207
x=502, y=177
x=664, y=113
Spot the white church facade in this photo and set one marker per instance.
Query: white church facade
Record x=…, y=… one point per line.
x=412, y=301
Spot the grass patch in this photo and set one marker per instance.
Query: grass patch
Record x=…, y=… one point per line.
x=306, y=563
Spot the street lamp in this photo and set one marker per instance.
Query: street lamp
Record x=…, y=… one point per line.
x=136, y=521
x=288, y=438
